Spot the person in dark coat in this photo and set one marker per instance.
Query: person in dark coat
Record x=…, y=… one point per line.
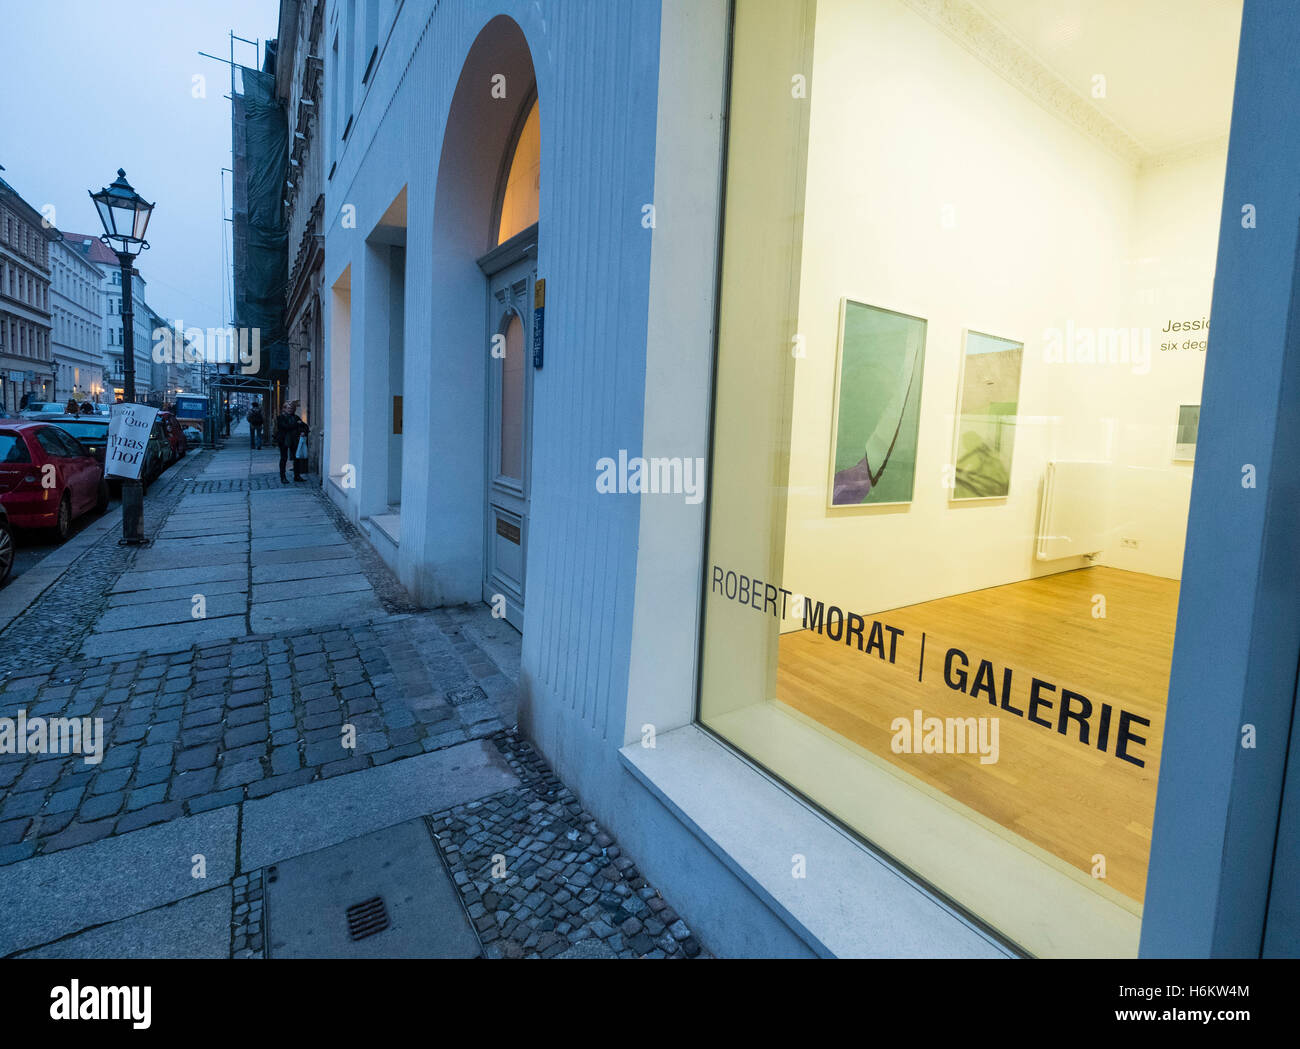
x=288, y=428
x=255, y=423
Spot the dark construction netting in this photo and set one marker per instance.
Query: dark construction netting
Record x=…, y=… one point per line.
x=261, y=140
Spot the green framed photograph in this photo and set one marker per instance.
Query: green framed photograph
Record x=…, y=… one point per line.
x=988, y=401
x=877, y=414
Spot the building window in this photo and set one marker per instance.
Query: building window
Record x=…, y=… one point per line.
x=521, y=200
x=959, y=370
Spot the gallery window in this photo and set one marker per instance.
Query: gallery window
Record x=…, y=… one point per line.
x=967, y=267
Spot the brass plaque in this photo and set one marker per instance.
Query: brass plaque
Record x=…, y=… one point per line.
x=539, y=294
x=509, y=531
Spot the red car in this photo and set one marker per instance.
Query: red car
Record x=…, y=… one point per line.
x=175, y=435
x=47, y=477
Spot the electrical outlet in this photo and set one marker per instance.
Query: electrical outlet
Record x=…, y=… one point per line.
x=1128, y=544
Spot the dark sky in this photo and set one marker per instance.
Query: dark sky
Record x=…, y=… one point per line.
x=88, y=86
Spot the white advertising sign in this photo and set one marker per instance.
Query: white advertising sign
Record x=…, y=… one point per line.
x=128, y=440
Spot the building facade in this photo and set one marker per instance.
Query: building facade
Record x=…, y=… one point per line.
x=77, y=324
x=299, y=80
x=26, y=356
x=902, y=568
x=105, y=261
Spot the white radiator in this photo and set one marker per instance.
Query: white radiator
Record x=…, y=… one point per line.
x=1075, y=514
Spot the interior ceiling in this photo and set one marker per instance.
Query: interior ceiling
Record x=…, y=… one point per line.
x=1169, y=64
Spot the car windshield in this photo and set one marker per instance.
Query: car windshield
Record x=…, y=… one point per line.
x=91, y=430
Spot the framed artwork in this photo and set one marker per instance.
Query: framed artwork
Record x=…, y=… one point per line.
x=877, y=407
x=1189, y=422
x=988, y=401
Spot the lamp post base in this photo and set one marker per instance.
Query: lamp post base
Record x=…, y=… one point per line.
x=133, y=514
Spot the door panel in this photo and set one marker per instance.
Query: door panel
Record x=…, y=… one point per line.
x=509, y=417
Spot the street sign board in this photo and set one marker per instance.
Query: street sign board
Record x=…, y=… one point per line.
x=129, y=427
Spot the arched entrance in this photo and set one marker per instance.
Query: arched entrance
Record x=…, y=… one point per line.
x=511, y=271
x=487, y=213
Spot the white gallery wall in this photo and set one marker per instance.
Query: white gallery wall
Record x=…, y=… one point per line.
x=939, y=189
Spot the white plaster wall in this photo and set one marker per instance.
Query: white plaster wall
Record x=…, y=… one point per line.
x=1045, y=230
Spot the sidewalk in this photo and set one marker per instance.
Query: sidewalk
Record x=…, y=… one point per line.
x=267, y=690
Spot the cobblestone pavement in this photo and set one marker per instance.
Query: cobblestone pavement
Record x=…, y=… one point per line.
x=537, y=875
x=214, y=725
x=56, y=624
x=225, y=722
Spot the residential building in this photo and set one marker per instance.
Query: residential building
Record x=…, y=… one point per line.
x=825, y=391
x=105, y=261
x=77, y=319
x=299, y=85
x=26, y=357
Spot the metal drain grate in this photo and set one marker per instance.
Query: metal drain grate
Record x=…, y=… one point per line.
x=367, y=918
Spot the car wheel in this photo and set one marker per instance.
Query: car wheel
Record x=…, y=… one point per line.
x=101, y=504
x=63, y=523
x=6, y=552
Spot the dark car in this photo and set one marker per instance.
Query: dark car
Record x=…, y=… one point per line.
x=158, y=456
x=47, y=477
x=90, y=430
x=6, y=546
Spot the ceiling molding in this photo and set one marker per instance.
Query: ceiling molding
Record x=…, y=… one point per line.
x=1216, y=146
x=984, y=37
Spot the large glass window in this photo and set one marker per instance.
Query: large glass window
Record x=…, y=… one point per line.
x=967, y=270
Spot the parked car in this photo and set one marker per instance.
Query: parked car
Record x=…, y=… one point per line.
x=175, y=435
x=43, y=408
x=47, y=477
x=193, y=436
x=90, y=430
x=159, y=454
x=6, y=546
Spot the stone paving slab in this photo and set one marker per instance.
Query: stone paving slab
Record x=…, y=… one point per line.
x=171, y=637
x=154, y=559
x=182, y=539
x=49, y=897
x=178, y=577
x=307, y=901
x=172, y=610
x=326, y=813
x=172, y=593
x=298, y=589
x=196, y=927
x=299, y=538
x=317, y=610
x=297, y=554
x=306, y=570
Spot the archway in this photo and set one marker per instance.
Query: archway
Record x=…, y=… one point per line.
x=488, y=188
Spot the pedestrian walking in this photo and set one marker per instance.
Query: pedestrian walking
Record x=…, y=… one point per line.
x=228, y=419
x=255, y=423
x=290, y=434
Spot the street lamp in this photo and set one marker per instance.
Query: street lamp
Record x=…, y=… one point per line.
x=125, y=217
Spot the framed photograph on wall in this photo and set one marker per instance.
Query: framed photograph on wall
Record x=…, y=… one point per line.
x=1189, y=422
x=988, y=401
x=877, y=406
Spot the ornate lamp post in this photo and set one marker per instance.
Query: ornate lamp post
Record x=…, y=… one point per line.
x=125, y=217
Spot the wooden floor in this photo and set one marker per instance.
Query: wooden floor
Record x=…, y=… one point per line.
x=1066, y=797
